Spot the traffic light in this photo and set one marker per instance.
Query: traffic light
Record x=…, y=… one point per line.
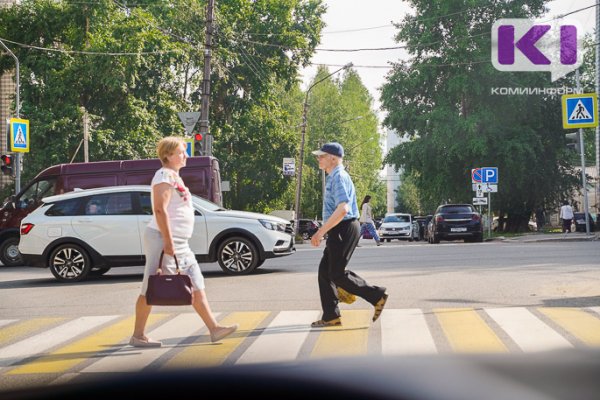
x=574, y=145
x=198, y=144
x=7, y=164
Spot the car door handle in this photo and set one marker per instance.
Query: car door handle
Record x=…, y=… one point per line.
x=84, y=220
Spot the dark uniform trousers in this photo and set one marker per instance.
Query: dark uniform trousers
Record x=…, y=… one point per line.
x=340, y=245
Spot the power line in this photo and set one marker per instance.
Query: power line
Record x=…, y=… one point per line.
x=92, y=53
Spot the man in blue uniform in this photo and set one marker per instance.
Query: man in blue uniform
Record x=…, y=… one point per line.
x=340, y=216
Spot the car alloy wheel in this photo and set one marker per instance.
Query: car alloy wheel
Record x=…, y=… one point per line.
x=70, y=263
x=237, y=256
x=9, y=252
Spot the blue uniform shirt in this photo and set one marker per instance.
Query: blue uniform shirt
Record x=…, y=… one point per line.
x=339, y=189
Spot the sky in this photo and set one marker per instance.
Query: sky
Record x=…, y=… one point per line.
x=358, y=24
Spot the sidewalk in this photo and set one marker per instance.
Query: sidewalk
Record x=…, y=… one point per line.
x=550, y=237
x=531, y=237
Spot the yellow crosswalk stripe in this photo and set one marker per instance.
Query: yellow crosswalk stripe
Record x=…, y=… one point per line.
x=350, y=339
x=205, y=353
x=582, y=325
x=22, y=328
x=467, y=331
x=72, y=354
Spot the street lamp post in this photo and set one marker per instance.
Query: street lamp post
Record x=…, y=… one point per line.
x=301, y=160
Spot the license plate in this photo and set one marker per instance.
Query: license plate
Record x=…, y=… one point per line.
x=458, y=229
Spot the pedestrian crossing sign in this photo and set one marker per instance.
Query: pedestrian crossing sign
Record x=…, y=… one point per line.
x=580, y=110
x=19, y=135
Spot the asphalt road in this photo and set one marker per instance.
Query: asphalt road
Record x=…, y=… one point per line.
x=416, y=275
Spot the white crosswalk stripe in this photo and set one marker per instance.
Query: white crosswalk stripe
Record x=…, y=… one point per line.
x=282, y=339
x=527, y=330
x=43, y=341
x=6, y=321
x=405, y=332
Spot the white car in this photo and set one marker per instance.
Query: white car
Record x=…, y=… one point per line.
x=397, y=226
x=90, y=231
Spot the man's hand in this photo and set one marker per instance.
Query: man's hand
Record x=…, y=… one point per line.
x=316, y=239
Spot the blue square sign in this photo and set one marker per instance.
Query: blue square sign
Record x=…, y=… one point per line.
x=580, y=110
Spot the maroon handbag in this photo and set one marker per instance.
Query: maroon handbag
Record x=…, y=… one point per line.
x=169, y=290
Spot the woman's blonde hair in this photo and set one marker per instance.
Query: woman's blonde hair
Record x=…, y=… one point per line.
x=167, y=146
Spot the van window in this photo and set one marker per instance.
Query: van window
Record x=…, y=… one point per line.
x=34, y=193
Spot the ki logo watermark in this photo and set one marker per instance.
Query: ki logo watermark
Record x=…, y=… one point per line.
x=524, y=45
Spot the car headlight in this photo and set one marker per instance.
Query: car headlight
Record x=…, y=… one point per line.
x=274, y=226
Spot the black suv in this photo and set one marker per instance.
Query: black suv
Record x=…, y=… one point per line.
x=579, y=218
x=423, y=221
x=456, y=221
x=307, y=228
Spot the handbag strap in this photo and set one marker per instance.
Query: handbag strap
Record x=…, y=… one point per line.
x=160, y=263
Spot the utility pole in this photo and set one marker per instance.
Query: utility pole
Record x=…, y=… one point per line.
x=18, y=156
x=598, y=91
x=86, y=136
x=586, y=208
x=207, y=142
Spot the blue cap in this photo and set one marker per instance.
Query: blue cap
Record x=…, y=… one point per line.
x=333, y=148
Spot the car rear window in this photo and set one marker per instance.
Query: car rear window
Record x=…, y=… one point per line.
x=64, y=208
x=456, y=209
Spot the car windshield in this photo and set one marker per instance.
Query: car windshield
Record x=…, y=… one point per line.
x=397, y=218
x=205, y=204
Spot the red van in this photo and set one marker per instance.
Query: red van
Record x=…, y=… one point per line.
x=201, y=175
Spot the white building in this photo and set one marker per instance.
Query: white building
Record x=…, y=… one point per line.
x=391, y=177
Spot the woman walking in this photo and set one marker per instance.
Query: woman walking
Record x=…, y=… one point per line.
x=171, y=226
x=366, y=220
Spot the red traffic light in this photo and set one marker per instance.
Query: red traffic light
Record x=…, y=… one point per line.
x=197, y=136
x=6, y=159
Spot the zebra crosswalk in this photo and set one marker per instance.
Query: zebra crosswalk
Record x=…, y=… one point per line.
x=59, y=349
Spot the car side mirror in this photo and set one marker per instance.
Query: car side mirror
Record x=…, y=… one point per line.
x=9, y=203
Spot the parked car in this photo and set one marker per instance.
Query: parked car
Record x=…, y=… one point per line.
x=415, y=231
x=308, y=227
x=396, y=226
x=423, y=220
x=579, y=218
x=66, y=235
x=456, y=221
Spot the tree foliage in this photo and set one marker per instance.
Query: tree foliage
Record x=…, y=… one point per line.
x=443, y=100
x=133, y=98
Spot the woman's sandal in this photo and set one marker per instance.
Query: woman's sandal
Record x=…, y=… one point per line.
x=379, y=307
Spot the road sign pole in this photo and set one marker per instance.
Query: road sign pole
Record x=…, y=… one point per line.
x=490, y=215
x=583, y=180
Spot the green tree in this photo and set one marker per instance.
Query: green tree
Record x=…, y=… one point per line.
x=127, y=97
x=443, y=100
